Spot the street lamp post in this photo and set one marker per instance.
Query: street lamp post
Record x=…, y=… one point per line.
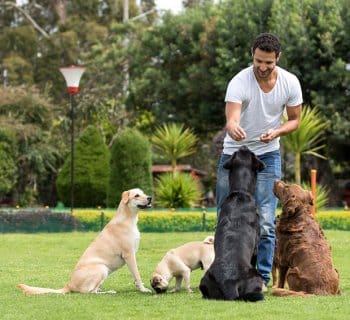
x=72, y=75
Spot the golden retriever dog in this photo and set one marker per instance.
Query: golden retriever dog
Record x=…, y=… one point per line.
x=115, y=246
x=180, y=262
x=304, y=258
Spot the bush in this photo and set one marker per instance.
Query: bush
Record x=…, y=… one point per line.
x=176, y=222
x=91, y=172
x=149, y=221
x=8, y=168
x=322, y=193
x=177, y=191
x=339, y=220
x=131, y=165
x=93, y=220
x=37, y=221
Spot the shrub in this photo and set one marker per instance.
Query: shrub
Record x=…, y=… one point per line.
x=91, y=171
x=8, y=168
x=131, y=165
x=93, y=220
x=37, y=221
x=339, y=220
x=177, y=190
x=176, y=222
x=321, y=194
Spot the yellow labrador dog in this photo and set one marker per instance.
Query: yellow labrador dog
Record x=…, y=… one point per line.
x=116, y=245
x=180, y=262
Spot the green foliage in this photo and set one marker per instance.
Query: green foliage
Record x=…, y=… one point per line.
x=28, y=115
x=21, y=40
x=37, y=221
x=310, y=136
x=336, y=220
x=131, y=165
x=177, y=190
x=179, y=66
x=307, y=139
x=193, y=220
x=8, y=170
x=173, y=142
x=177, y=222
x=322, y=194
x=91, y=171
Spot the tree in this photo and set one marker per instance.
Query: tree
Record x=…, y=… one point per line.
x=173, y=142
x=91, y=171
x=131, y=165
x=309, y=138
x=8, y=169
x=28, y=117
x=316, y=50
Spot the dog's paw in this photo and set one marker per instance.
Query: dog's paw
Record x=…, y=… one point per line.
x=111, y=292
x=145, y=290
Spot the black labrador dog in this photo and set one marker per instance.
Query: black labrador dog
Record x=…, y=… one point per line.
x=233, y=275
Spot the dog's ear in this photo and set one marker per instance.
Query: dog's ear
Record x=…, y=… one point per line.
x=125, y=197
x=209, y=240
x=310, y=198
x=258, y=164
x=229, y=162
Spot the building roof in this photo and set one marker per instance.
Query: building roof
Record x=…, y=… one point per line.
x=160, y=168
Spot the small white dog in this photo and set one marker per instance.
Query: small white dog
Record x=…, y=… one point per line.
x=115, y=246
x=180, y=262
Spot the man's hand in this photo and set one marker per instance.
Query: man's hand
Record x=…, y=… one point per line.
x=269, y=135
x=236, y=132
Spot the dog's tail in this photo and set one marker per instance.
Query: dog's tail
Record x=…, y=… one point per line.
x=209, y=240
x=279, y=292
x=35, y=290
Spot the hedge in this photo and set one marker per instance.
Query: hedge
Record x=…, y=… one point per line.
x=37, y=221
x=178, y=221
x=149, y=221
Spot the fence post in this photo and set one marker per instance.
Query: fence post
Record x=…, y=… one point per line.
x=102, y=220
x=313, y=190
x=204, y=222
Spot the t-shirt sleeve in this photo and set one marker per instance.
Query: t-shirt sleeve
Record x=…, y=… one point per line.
x=296, y=95
x=235, y=92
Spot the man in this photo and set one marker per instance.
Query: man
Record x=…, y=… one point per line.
x=256, y=99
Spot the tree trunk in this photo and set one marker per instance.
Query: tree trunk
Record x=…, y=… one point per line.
x=60, y=9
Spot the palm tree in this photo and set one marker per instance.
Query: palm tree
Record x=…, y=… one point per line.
x=308, y=139
x=174, y=142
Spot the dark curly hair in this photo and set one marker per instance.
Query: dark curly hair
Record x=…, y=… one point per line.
x=267, y=42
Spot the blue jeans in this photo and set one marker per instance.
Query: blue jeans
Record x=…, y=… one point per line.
x=266, y=203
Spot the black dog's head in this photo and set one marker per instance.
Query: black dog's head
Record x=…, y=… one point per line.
x=243, y=166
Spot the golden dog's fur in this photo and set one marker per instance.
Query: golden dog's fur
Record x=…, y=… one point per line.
x=116, y=245
x=180, y=262
x=303, y=257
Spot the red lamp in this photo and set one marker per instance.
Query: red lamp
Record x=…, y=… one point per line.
x=72, y=75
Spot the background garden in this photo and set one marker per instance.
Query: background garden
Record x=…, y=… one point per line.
x=153, y=80
x=150, y=114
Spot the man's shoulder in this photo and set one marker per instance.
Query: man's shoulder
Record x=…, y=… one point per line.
x=244, y=74
x=285, y=73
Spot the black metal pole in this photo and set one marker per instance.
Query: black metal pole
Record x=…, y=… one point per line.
x=72, y=155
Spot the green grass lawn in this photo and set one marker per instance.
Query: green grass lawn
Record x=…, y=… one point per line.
x=46, y=260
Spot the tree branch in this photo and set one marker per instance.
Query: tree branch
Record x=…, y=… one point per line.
x=28, y=17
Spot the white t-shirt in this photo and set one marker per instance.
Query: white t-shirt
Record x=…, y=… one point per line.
x=261, y=111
